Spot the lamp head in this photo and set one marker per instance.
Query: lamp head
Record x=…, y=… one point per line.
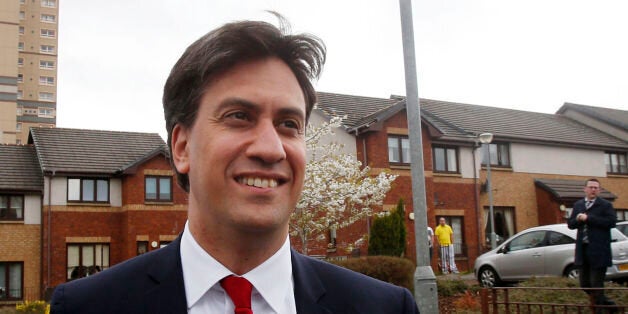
x=486, y=138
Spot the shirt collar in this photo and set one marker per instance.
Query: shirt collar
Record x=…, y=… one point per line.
x=272, y=279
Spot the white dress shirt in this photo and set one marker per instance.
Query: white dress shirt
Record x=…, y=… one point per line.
x=273, y=286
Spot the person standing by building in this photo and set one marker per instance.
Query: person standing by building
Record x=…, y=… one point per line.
x=593, y=217
x=445, y=236
x=430, y=241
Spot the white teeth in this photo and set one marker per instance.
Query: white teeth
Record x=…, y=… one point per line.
x=258, y=182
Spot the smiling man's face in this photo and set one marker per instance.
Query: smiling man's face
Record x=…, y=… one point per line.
x=245, y=153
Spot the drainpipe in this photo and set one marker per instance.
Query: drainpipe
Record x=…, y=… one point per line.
x=49, y=244
x=476, y=198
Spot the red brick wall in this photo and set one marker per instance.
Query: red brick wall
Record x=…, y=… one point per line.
x=548, y=208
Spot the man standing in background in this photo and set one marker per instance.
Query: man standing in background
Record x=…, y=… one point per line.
x=445, y=236
x=594, y=217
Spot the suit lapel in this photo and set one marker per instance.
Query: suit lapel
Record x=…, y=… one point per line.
x=166, y=272
x=308, y=287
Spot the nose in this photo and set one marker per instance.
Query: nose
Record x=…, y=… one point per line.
x=267, y=144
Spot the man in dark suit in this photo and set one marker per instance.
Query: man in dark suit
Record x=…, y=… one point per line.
x=236, y=106
x=593, y=217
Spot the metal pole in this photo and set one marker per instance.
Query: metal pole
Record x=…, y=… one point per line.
x=490, y=196
x=425, y=291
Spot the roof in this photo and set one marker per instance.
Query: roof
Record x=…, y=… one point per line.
x=79, y=151
x=569, y=189
x=19, y=169
x=614, y=117
x=464, y=121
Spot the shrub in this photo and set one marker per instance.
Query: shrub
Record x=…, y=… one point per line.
x=448, y=288
x=388, y=233
x=467, y=302
x=38, y=307
x=395, y=270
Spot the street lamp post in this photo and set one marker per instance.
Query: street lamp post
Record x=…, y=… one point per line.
x=487, y=138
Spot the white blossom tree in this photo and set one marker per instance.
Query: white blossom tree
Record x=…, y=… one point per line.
x=337, y=190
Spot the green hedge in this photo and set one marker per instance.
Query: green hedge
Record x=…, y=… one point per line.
x=396, y=270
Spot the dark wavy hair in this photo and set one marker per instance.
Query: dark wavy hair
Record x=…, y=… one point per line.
x=222, y=49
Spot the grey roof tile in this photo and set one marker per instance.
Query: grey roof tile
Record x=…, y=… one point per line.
x=356, y=108
x=91, y=151
x=19, y=169
x=571, y=189
x=615, y=117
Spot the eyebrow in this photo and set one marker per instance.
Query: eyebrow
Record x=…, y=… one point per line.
x=252, y=106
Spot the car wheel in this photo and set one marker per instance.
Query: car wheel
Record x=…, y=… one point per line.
x=572, y=272
x=488, y=277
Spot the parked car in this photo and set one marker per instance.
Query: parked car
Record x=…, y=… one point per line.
x=623, y=227
x=543, y=251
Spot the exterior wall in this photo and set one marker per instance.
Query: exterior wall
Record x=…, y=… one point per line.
x=557, y=160
x=340, y=136
x=9, y=20
x=32, y=212
x=21, y=243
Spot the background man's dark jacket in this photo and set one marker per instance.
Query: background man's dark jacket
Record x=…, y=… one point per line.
x=600, y=219
x=153, y=283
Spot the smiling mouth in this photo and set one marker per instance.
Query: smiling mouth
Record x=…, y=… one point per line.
x=258, y=182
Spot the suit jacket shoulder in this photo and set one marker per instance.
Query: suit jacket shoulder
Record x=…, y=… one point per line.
x=321, y=287
x=149, y=283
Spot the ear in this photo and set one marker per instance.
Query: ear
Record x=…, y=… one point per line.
x=180, y=154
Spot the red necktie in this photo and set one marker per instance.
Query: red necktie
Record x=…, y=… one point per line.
x=239, y=290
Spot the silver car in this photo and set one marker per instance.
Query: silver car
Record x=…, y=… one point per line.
x=543, y=251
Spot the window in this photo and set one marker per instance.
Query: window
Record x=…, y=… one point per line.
x=616, y=163
x=22, y=1
x=504, y=220
x=48, y=18
x=557, y=238
x=48, y=33
x=45, y=96
x=20, y=94
x=456, y=223
x=622, y=214
x=21, y=30
x=527, y=241
x=500, y=154
x=46, y=112
x=398, y=149
x=20, y=62
x=142, y=247
x=11, y=279
x=18, y=127
x=30, y=111
x=49, y=3
x=20, y=46
x=158, y=189
x=445, y=159
x=11, y=207
x=22, y=15
x=47, y=49
x=46, y=65
x=20, y=78
x=19, y=111
x=86, y=259
x=47, y=80
x=88, y=190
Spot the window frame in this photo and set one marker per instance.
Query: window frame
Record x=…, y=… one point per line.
x=501, y=210
x=157, y=189
x=46, y=64
x=48, y=18
x=95, y=190
x=86, y=271
x=608, y=162
x=5, y=212
x=445, y=149
x=4, y=296
x=43, y=96
x=47, y=49
x=400, y=139
x=47, y=33
x=45, y=80
x=47, y=3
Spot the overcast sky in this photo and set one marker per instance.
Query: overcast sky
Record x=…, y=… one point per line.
x=534, y=55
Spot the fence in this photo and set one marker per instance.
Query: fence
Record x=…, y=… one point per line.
x=499, y=300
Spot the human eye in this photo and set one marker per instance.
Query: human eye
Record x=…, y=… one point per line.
x=237, y=115
x=291, y=125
